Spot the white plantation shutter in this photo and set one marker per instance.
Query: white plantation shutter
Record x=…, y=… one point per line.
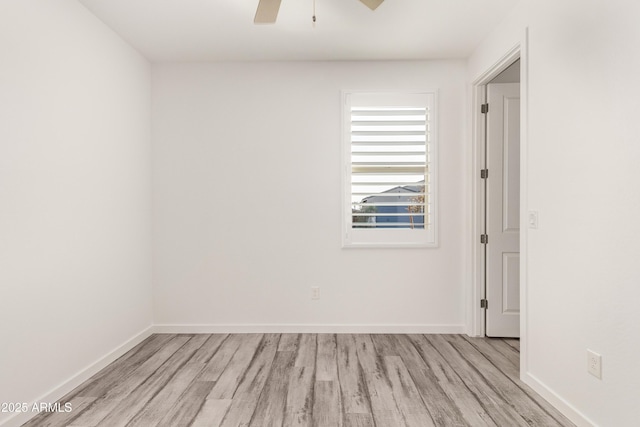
x=389, y=148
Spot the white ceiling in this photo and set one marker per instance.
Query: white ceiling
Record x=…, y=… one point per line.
x=223, y=30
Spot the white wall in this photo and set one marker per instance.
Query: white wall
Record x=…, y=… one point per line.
x=74, y=195
x=247, y=201
x=583, y=156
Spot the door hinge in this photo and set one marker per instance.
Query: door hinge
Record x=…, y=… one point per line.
x=484, y=108
x=484, y=303
x=484, y=173
x=484, y=239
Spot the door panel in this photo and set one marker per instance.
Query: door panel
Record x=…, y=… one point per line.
x=503, y=211
x=510, y=275
x=511, y=164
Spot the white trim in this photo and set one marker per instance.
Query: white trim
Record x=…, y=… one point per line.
x=298, y=328
x=477, y=292
x=500, y=65
x=577, y=417
x=389, y=238
x=83, y=375
x=524, y=202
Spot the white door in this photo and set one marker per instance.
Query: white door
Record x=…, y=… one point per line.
x=503, y=211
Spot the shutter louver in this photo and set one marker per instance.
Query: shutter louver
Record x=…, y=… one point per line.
x=390, y=157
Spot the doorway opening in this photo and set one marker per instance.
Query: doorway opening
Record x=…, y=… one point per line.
x=499, y=263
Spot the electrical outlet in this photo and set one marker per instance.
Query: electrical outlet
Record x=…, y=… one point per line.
x=594, y=364
x=315, y=292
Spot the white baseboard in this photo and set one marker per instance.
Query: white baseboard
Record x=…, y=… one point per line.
x=68, y=385
x=569, y=411
x=307, y=328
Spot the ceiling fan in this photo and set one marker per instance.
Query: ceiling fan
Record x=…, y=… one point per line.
x=268, y=10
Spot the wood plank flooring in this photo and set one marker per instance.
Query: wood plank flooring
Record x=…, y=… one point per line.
x=343, y=380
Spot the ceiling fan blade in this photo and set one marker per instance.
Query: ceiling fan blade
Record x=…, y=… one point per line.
x=372, y=4
x=267, y=12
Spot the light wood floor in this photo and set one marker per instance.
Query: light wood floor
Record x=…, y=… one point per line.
x=310, y=380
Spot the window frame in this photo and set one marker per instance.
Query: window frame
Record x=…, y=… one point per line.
x=382, y=237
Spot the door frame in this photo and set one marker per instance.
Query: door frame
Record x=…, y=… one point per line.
x=478, y=97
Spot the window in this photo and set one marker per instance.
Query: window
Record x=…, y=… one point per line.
x=389, y=181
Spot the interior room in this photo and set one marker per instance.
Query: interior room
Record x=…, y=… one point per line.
x=173, y=174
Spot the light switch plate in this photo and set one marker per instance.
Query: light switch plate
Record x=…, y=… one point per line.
x=533, y=219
